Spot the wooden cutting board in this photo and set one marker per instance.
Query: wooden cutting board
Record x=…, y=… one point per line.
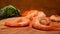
x=22, y=30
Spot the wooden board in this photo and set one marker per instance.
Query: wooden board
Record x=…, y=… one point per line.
x=22, y=30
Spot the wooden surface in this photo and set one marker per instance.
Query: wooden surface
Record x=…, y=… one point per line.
x=22, y=30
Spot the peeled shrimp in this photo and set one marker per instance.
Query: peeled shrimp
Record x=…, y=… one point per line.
x=41, y=15
x=55, y=18
x=18, y=21
x=30, y=14
x=43, y=23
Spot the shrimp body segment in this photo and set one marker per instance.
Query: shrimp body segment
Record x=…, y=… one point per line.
x=19, y=21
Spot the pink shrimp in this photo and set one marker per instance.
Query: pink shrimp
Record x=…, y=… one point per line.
x=30, y=15
x=18, y=21
x=41, y=19
x=55, y=18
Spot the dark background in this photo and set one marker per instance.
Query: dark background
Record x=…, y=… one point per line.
x=48, y=6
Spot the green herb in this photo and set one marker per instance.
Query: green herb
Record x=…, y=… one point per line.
x=9, y=11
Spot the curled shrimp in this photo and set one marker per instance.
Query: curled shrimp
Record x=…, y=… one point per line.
x=30, y=14
x=18, y=21
x=55, y=18
x=43, y=23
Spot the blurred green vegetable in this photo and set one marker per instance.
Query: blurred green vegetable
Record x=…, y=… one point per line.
x=9, y=11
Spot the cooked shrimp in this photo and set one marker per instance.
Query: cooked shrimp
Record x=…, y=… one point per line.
x=26, y=13
x=18, y=21
x=55, y=18
x=30, y=14
x=43, y=23
x=41, y=15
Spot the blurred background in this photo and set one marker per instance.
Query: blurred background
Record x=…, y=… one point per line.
x=48, y=6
